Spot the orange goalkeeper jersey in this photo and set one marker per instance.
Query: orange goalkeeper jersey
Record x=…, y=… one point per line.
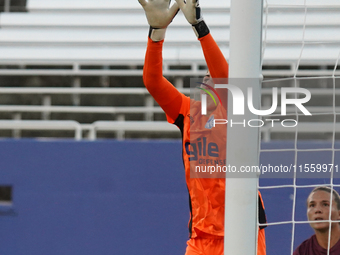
x=207, y=195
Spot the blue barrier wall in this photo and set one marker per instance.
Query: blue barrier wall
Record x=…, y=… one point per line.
x=110, y=197
x=93, y=198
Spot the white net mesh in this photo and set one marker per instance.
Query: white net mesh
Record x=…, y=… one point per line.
x=301, y=49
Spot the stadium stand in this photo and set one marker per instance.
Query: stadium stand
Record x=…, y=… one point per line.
x=82, y=61
x=12, y=5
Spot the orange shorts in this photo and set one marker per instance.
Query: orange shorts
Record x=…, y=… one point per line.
x=204, y=246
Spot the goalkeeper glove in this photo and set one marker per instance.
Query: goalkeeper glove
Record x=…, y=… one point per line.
x=192, y=13
x=159, y=15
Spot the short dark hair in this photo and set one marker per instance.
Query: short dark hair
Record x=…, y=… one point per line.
x=336, y=195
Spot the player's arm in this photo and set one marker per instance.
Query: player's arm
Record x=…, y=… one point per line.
x=159, y=16
x=217, y=64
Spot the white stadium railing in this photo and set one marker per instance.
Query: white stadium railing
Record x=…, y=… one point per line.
x=55, y=125
x=110, y=37
x=70, y=91
x=120, y=127
x=79, y=109
x=303, y=129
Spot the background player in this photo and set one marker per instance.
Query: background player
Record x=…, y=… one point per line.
x=206, y=195
x=318, y=206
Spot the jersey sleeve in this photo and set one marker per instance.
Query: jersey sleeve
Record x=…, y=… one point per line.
x=216, y=62
x=165, y=94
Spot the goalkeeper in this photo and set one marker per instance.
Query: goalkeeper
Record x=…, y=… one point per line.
x=206, y=195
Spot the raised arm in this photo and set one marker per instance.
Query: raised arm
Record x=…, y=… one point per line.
x=216, y=62
x=159, y=16
x=214, y=58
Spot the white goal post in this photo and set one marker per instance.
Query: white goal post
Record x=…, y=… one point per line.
x=243, y=143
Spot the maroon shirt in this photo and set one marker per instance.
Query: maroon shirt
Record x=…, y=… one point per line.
x=312, y=247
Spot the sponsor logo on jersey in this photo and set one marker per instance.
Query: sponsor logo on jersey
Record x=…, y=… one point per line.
x=200, y=148
x=210, y=123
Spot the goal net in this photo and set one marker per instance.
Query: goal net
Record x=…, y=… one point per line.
x=299, y=151
x=288, y=127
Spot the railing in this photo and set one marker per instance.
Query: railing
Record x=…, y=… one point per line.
x=43, y=125
x=120, y=127
x=302, y=129
x=55, y=22
x=70, y=91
